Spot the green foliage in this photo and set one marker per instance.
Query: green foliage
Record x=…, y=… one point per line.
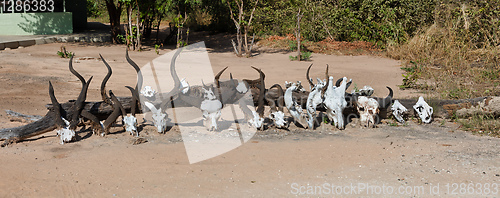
x=304, y=56
x=413, y=73
x=65, y=54
x=94, y=9
x=375, y=21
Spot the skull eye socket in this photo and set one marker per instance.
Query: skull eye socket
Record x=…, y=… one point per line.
x=362, y=109
x=419, y=109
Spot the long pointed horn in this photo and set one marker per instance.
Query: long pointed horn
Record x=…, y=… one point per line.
x=307, y=76
x=337, y=84
x=177, y=83
x=56, y=106
x=117, y=111
x=135, y=97
x=79, y=104
x=137, y=69
x=218, y=76
x=117, y=103
x=260, y=107
x=388, y=99
x=281, y=101
x=74, y=72
x=104, y=96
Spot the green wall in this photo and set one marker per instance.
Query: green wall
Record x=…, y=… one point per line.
x=36, y=23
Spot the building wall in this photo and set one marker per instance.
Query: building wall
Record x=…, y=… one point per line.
x=36, y=23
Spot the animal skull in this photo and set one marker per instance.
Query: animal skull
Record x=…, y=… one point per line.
x=278, y=118
x=66, y=134
x=398, y=110
x=293, y=107
x=130, y=125
x=424, y=110
x=313, y=100
x=335, y=102
x=368, y=110
x=148, y=92
x=159, y=118
x=211, y=109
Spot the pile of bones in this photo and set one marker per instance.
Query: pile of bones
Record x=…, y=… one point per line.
x=326, y=96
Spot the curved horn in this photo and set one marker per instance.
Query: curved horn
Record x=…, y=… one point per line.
x=137, y=69
x=56, y=106
x=337, y=84
x=104, y=96
x=117, y=103
x=218, y=76
x=135, y=98
x=281, y=101
x=79, y=104
x=388, y=99
x=260, y=107
x=307, y=76
x=175, y=77
x=117, y=111
x=74, y=72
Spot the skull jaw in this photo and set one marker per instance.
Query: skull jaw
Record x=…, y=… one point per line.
x=367, y=120
x=210, y=120
x=337, y=118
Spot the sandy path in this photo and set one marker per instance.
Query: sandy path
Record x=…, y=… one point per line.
x=274, y=163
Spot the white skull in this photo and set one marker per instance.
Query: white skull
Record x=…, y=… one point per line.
x=424, y=110
x=66, y=134
x=293, y=107
x=398, y=110
x=184, y=87
x=256, y=121
x=130, y=124
x=313, y=100
x=159, y=118
x=211, y=109
x=148, y=92
x=368, y=110
x=335, y=102
x=278, y=118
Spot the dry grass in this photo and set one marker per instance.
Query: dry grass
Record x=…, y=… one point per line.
x=450, y=58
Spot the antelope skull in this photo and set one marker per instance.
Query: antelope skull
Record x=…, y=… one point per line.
x=368, y=108
x=423, y=110
x=335, y=102
x=131, y=125
x=66, y=134
x=211, y=108
x=399, y=111
x=293, y=107
x=159, y=118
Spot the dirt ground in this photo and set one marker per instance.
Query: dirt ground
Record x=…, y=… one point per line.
x=413, y=160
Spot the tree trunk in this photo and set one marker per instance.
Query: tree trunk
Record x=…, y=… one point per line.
x=138, y=41
x=299, y=16
x=114, y=12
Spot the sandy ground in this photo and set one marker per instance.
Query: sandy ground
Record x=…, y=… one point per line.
x=412, y=160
